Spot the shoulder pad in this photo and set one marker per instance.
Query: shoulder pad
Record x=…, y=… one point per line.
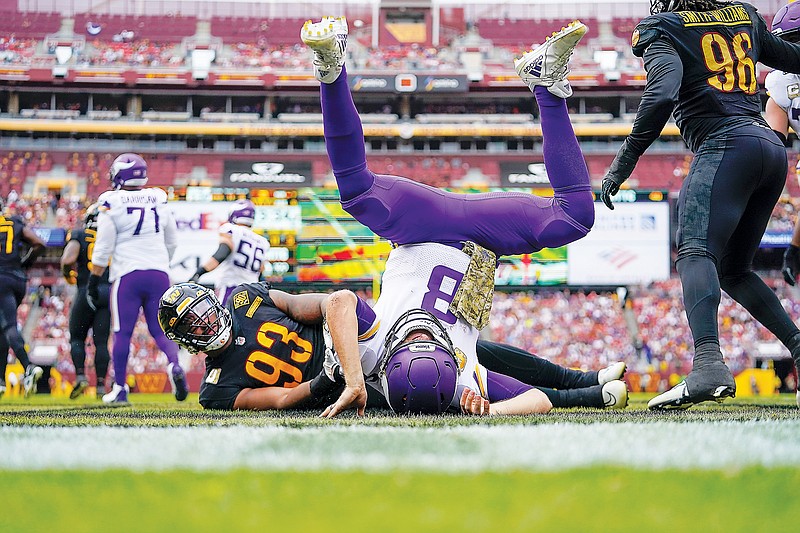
x=645, y=33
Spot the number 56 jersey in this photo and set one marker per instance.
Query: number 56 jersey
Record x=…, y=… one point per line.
x=269, y=349
x=246, y=259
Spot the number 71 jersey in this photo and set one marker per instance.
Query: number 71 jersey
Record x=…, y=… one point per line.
x=137, y=228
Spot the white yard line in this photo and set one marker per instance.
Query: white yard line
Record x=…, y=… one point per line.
x=720, y=445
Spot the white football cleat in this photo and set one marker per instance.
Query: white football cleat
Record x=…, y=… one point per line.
x=615, y=395
x=29, y=379
x=118, y=396
x=328, y=39
x=547, y=64
x=611, y=372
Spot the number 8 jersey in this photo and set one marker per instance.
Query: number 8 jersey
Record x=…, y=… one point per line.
x=137, y=228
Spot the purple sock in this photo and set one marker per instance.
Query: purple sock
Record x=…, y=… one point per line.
x=344, y=138
x=566, y=167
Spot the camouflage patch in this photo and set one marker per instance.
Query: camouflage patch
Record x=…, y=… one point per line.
x=793, y=91
x=240, y=299
x=472, y=301
x=213, y=376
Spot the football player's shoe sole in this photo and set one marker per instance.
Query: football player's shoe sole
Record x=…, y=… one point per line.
x=328, y=39
x=678, y=397
x=77, y=390
x=611, y=372
x=615, y=395
x=547, y=65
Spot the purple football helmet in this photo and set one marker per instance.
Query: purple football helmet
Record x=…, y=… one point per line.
x=243, y=212
x=128, y=170
x=786, y=22
x=418, y=376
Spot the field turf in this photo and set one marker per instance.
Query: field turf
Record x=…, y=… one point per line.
x=163, y=466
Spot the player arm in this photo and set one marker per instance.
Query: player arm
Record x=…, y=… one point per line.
x=105, y=241
x=340, y=314
x=36, y=249
x=777, y=119
x=664, y=74
x=224, y=249
x=779, y=53
x=68, y=259
x=530, y=402
x=267, y=398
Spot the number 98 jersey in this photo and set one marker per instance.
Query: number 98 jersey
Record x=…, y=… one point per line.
x=269, y=349
x=719, y=50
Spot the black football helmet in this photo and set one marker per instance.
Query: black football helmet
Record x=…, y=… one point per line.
x=192, y=316
x=90, y=218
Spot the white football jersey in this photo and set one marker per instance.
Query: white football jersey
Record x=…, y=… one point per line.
x=246, y=259
x=424, y=276
x=137, y=229
x=784, y=89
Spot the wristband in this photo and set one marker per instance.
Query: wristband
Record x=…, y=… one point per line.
x=322, y=385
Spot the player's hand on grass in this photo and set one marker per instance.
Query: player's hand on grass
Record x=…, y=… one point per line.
x=351, y=398
x=474, y=404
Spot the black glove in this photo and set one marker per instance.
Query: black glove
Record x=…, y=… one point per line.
x=791, y=264
x=323, y=384
x=196, y=276
x=92, y=293
x=619, y=171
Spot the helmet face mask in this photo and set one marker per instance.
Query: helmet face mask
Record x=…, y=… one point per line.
x=243, y=213
x=786, y=22
x=128, y=170
x=191, y=315
x=418, y=376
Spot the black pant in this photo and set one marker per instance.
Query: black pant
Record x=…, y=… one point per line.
x=81, y=320
x=12, y=292
x=723, y=210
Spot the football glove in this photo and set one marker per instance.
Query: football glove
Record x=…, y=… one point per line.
x=619, y=171
x=791, y=264
x=92, y=293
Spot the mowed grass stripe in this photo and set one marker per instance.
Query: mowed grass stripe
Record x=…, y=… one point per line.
x=596, y=499
x=477, y=448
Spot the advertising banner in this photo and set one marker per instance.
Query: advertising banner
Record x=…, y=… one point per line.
x=266, y=172
x=628, y=245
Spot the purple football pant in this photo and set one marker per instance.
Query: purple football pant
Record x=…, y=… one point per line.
x=500, y=387
x=140, y=289
x=405, y=211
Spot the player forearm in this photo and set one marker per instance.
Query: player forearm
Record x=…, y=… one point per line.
x=530, y=402
x=270, y=398
x=343, y=324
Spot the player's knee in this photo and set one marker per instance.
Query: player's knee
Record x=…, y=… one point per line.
x=561, y=232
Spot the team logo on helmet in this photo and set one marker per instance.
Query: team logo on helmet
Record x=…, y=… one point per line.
x=192, y=316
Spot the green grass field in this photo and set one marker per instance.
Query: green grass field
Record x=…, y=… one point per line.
x=163, y=466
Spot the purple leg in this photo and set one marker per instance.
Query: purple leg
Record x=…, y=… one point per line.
x=406, y=211
x=132, y=292
x=500, y=387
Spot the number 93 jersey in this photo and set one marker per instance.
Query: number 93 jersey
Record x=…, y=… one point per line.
x=246, y=259
x=784, y=89
x=269, y=349
x=424, y=276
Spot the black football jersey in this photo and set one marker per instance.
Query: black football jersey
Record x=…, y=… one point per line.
x=11, y=246
x=269, y=349
x=719, y=50
x=83, y=265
